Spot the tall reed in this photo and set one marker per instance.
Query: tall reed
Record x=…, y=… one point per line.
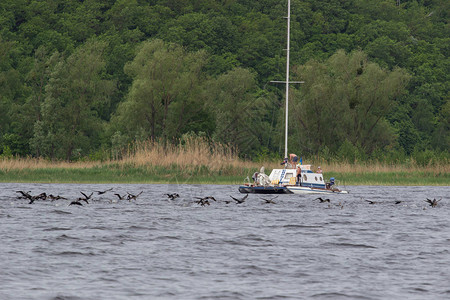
x=197, y=157
x=22, y=163
x=377, y=167
x=188, y=153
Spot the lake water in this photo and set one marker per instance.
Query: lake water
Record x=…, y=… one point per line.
x=156, y=248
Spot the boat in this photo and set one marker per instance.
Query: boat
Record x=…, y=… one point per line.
x=299, y=180
x=294, y=178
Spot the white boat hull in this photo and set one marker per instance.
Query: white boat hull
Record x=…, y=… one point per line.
x=308, y=190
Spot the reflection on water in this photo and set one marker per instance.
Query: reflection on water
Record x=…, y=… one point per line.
x=154, y=247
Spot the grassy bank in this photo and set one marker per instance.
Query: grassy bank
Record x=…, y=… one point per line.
x=196, y=161
x=130, y=173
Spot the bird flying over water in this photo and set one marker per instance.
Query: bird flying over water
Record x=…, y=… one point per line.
x=76, y=202
x=86, y=196
x=270, y=201
x=433, y=203
x=203, y=201
x=57, y=197
x=322, y=200
x=372, y=202
x=120, y=197
x=102, y=192
x=172, y=196
x=25, y=195
x=239, y=201
x=133, y=197
x=206, y=198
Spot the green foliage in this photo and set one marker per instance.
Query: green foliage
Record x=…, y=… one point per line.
x=424, y=158
x=238, y=112
x=75, y=73
x=74, y=96
x=345, y=99
x=6, y=153
x=348, y=152
x=165, y=95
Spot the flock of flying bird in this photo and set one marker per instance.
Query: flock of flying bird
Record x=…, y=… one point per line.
x=86, y=198
x=202, y=201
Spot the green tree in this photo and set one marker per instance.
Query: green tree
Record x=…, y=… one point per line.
x=346, y=98
x=164, y=95
x=75, y=94
x=12, y=93
x=238, y=111
x=36, y=81
x=441, y=136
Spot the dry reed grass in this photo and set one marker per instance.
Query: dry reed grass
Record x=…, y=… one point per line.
x=192, y=152
x=17, y=163
x=198, y=152
x=376, y=167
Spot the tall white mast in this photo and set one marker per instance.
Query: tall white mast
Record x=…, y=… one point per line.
x=287, y=78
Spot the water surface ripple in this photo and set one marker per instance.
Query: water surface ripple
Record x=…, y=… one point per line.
x=156, y=248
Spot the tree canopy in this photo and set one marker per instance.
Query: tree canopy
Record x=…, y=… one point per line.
x=80, y=76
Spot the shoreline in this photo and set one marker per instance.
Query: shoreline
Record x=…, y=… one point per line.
x=139, y=175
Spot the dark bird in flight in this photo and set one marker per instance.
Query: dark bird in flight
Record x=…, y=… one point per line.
x=372, y=202
x=172, y=196
x=86, y=197
x=433, y=203
x=77, y=202
x=203, y=201
x=41, y=196
x=133, y=197
x=25, y=195
x=102, y=192
x=206, y=198
x=120, y=197
x=239, y=201
x=270, y=201
x=398, y=201
x=57, y=197
x=322, y=200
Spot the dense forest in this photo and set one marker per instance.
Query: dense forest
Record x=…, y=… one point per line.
x=84, y=79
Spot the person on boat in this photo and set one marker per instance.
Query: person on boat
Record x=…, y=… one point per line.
x=319, y=170
x=255, y=177
x=299, y=174
x=293, y=158
x=285, y=161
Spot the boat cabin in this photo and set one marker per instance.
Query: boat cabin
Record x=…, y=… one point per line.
x=283, y=177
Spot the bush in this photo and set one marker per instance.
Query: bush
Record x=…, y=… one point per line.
x=424, y=158
x=351, y=153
